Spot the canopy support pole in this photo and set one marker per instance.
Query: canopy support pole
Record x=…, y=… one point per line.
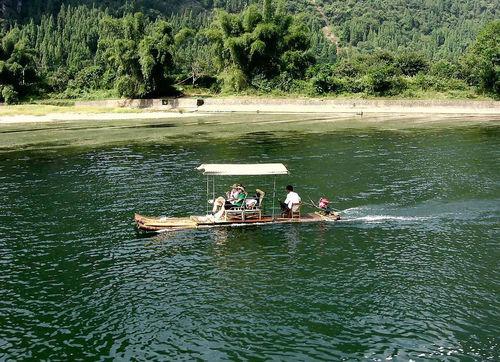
x=213, y=188
x=208, y=192
x=274, y=193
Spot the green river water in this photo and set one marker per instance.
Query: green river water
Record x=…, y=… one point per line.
x=410, y=273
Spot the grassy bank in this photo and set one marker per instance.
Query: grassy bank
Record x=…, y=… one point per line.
x=44, y=109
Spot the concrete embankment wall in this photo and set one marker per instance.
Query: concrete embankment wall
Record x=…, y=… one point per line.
x=303, y=105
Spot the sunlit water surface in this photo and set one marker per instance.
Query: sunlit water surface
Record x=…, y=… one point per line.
x=411, y=272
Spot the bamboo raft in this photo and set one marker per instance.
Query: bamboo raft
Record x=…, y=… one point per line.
x=239, y=217
x=161, y=224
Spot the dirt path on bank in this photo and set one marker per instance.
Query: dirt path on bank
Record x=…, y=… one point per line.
x=327, y=29
x=105, y=116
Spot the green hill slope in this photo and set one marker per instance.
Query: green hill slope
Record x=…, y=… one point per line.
x=143, y=48
x=439, y=28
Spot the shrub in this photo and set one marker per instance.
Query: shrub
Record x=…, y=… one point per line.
x=108, y=79
x=333, y=84
x=261, y=83
x=338, y=85
x=354, y=85
x=128, y=87
x=58, y=81
x=205, y=81
x=445, y=69
x=411, y=63
x=439, y=84
x=382, y=80
x=233, y=80
x=284, y=82
x=296, y=62
x=9, y=94
x=89, y=78
x=319, y=78
x=345, y=68
x=320, y=84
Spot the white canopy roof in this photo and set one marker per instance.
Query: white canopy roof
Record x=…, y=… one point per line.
x=230, y=169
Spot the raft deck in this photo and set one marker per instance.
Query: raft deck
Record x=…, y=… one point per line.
x=159, y=224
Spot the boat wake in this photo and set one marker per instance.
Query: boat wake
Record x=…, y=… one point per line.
x=384, y=218
x=433, y=213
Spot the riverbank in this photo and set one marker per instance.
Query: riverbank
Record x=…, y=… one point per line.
x=179, y=107
x=304, y=105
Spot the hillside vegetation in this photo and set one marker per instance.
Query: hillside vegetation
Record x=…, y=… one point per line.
x=438, y=28
x=146, y=48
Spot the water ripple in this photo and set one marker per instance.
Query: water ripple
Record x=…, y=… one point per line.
x=410, y=273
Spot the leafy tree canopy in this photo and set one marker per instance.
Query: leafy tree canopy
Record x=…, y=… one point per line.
x=142, y=48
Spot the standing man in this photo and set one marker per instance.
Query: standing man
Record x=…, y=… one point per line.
x=291, y=199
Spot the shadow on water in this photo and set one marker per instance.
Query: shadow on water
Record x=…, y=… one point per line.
x=156, y=125
x=101, y=127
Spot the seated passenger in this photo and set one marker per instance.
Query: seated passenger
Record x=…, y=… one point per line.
x=233, y=193
x=254, y=201
x=234, y=198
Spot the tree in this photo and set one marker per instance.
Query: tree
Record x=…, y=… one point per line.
x=482, y=61
x=192, y=56
x=155, y=57
x=17, y=66
x=255, y=44
x=140, y=52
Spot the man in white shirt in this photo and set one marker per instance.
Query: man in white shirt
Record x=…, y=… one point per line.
x=291, y=198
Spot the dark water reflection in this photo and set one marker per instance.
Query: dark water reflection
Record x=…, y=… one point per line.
x=410, y=273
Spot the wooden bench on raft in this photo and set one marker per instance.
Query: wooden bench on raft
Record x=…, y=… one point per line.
x=294, y=212
x=247, y=212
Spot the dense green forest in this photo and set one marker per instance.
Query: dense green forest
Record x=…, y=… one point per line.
x=147, y=48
